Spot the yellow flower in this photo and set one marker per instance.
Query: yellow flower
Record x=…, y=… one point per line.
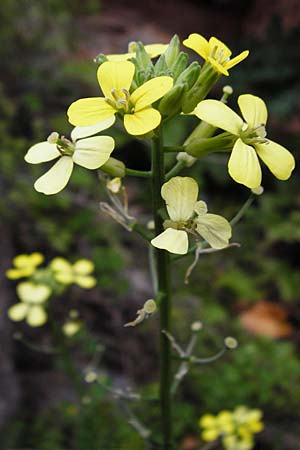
x=115, y=79
x=153, y=51
x=188, y=214
x=31, y=308
x=71, y=327
x=243, y=165
x=25, y=265
x=78, y=273
x=214, y=52
x=90, y=153
x=225, y=421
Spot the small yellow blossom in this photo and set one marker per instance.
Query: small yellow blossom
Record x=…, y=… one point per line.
x=153, y=51
x=243, y=164
x=114, y=185
x=214, y=52
x=31, y=308
x=78, y=273
x=189, y=215
x=24, y=265
x=71, y=327
x=90, y=153
x=135, y=108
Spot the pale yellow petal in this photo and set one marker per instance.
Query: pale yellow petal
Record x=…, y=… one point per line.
x=18, y=312
x=82, y=132
x=237, y=59
x=60, y=264
x=83, y=267
x=93, y=152
x=150, y=91
x=155, y=50
x=180, y=195
x=84, y=281
x=199, y=44
x=41, y=152
x=207, y=421
x=71, y=328
x=89, y=111
x=56, y=179
x=36, y=316
x=142, y=122
x=21, y=261
x=115, y=75
x=243, y=165
x=120, y=56
x=33, y=293
x=219, y=115
x=64, y=277
x=174, y=241
x=36, y=258
x=215, y=229
x=219, y=49
x=254, y=110
x=15, y=274
x=211, y=434
x=278, y=159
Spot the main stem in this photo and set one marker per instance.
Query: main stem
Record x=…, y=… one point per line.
x=162, y=264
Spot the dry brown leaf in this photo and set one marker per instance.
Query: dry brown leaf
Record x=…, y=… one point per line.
x=266, y=319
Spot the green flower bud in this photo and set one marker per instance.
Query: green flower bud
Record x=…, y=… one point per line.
x=206, y=80
x=142, y=58
x=100, y=59
x=114, y=167
x=179, y=64
x=170, y=104
x=189, y=75
x=200, y=146
x=172, y=51
x=161, y=67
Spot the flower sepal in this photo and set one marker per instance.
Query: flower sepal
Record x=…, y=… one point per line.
x=114, y=167
x=199, y=147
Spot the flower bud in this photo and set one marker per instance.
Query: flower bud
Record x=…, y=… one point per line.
x=179, y=65
x=206, y=80
x=150, y=306
x=142, y=58
x=53, y=138
x=189, y=75
x=170, y=104
x=114, y=167
x=161, y=67
x=258, y=191
x=100, y=59
x=230, y=342
x=172, y=51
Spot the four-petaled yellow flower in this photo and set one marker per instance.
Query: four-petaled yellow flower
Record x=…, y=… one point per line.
x=214, y=52
x=24, y=265
x=31, y=308
x=189, y=215
x=243, y=165
x=79, y=273
x=90, y=153
x=115, y=79
x=153, y=51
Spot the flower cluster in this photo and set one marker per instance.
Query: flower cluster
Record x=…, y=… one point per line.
x=41, y=283
x=141, y=94
x=235, y=428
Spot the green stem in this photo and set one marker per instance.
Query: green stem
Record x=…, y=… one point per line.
x=174, y=148
x=243, y=209
x=162, y=260
x=175, y=170
x=138, y=173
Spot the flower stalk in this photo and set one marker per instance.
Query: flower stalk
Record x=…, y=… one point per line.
x=162, y=268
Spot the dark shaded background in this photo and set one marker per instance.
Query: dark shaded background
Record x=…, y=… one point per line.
x=46, y=62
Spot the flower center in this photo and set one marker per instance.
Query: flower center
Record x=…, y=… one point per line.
x=219, y=54
x=255, y=135
x=120, y=101
x=64, y=145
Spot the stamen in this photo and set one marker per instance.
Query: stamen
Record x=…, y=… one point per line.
x=110, y=102
x=114, y=93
